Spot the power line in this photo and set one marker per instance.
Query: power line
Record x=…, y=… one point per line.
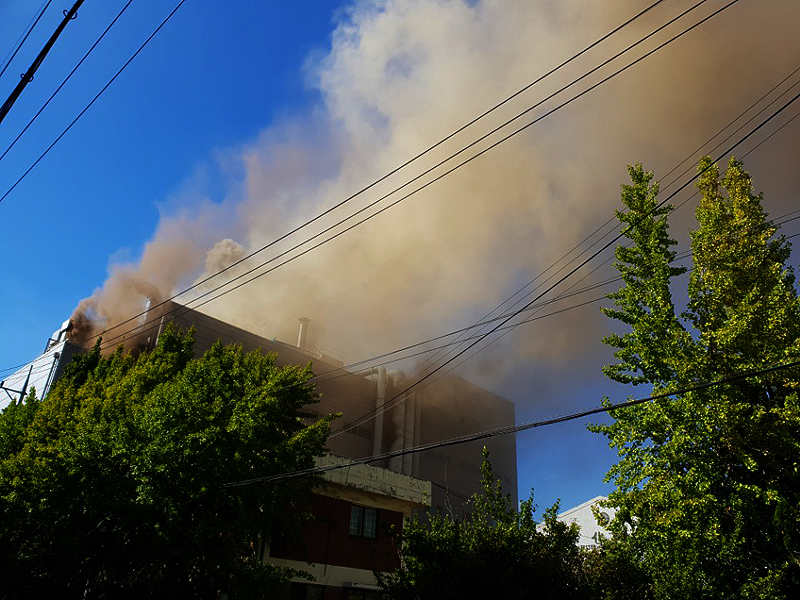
x=745, y=111
x=21, y=41
x=569, y=293
x=484, y=322
x=423, y=186
x=461, y=151
x=154, y=326
x=348, y=369
x=393, y=171
x=490, y=433
x=88, y=106
x=769, y=137
x=393, y=401
x=28, y=76
x=64, y=82
x=480, y=338
x=724, y=7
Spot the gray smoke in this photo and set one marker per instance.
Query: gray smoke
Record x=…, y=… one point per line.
x=401, y=75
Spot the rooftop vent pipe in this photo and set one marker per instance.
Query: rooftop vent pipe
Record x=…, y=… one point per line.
x=302, y=335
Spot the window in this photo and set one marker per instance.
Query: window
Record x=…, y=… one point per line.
x=363, y=522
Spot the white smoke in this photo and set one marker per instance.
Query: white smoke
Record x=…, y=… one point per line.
x=401, y=75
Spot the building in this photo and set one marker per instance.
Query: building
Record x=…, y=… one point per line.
x=41, y=372
x=445, y=408
x=349, y=537
x=592, y=527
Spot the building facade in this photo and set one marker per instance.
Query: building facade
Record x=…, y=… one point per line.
x=445, y=408
x=592, y=519
x=41, y=372
x=349, y=538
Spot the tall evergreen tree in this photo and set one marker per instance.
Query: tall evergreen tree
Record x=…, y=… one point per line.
x=708, y=482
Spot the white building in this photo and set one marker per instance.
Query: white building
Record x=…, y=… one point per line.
x=42, y=371
x=584, y=517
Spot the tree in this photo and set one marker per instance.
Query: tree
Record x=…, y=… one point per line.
x=494, y=552
x=111, y=487
x=708, y=482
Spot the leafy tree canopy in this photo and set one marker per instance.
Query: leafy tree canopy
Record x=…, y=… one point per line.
x=111, y=487
x=494, y=552
x=708, y=482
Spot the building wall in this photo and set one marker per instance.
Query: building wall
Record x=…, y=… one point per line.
x=327, y=539
x=584, y=517
x=444, y=408
x=452, y=407
x=343, y=564
x=40, y=373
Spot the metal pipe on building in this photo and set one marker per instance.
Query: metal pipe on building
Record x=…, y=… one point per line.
x=302, y=335
x=380, y=399
x=397, y=418
x=416, y=439
x=408, y=433
x=49, y=380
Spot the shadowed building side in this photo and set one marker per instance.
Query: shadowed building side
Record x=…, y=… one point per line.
x=440, y=409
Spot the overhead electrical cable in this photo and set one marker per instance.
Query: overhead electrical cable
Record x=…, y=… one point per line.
x=721, y=131
x=66, y=79
x=467, y=147
x=400, y=167
x=393, y=401
x=769, y=137
x=37, y=62
x=738, y=129
x=507, y=329
x=93, y=100
x=428, y=183
x=22, y=39
x=568, y=293
x=689, y=157
x=465, y=329
x=353, y=367
x=661, y=179
x=490, y=433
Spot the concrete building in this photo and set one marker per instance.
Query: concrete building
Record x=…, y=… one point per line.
x=592, y=527
x=40, y=373
x=349, y=537
x=445, y=408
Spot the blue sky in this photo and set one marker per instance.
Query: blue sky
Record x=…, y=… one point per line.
x=98, y=192
x=240, y=121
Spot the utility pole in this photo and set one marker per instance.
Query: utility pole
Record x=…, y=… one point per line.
x=28, y=76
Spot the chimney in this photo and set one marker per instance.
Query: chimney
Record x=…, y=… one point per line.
x=302, y=335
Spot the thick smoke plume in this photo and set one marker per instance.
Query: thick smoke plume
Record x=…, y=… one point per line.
x=401, y=75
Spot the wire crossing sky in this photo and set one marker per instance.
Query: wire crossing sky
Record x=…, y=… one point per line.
x=232, y=128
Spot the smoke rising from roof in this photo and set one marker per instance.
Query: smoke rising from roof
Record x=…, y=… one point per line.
x=402, y=74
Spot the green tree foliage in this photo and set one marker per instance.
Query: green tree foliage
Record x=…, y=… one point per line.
x=495, y=552
x=112, y=486
x=708, y=482
x=612, y=572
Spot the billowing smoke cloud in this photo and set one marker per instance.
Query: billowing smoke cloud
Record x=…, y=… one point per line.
x=169, y=260
x=401, y=75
